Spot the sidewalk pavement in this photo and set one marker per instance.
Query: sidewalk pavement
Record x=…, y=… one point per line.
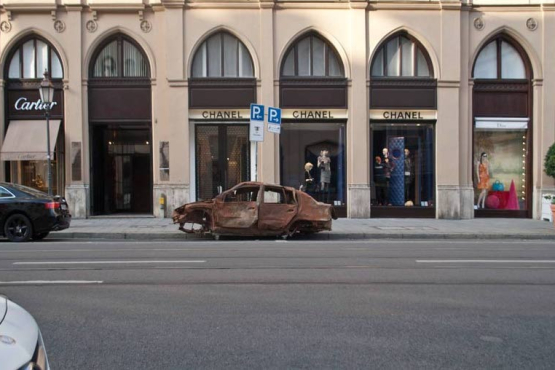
x=142, y=228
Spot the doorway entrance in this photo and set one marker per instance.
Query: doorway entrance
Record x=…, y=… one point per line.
x=222, y=154
x=121, y=169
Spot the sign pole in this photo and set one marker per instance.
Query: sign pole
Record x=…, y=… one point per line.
x=256, y=132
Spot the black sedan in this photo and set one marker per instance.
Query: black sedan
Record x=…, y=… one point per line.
x=27, y=213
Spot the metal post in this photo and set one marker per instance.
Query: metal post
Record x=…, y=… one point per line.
x=256, y=161
x=48, y=159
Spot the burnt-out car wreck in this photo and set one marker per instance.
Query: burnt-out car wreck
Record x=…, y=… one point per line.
x=256, y=209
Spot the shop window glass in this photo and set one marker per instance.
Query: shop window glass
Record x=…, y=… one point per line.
x=42, y=58
x=134, y=63
x=422, y=63
x=106, y=64
x=29, y=70
x=500, y=164
x=377, y=67
x=392, y=54
x=57, y=71
x=245, y=62
x=214, y=47
x=408, y=57
x=400, y=55
x=512, y=65
x=312, y=57
x=313, y=160
x=403, y=172
x=14, y=71
x=199, y=62
x=231, y=57
x=486, y=63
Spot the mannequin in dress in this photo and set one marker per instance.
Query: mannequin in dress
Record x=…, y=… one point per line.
x=379, y=181
x=408, y=175
x=308, y=179
x=482, y=170
x=324, y=164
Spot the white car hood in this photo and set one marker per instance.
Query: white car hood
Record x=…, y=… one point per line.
x=20, y=326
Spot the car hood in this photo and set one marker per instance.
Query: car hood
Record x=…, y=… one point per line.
x=19, y=334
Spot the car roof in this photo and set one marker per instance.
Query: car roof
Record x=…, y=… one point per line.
x=258, y=183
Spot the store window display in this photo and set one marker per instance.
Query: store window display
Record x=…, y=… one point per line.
x=313, y=159
x=403, y=173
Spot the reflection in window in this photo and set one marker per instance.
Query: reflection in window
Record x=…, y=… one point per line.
x=32, y=59
x=222, y=55
x=120, y=58
x=312, y=57
x=401, y=57
x=512, y=65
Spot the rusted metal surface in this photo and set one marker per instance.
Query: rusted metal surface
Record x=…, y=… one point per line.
x=256, y=209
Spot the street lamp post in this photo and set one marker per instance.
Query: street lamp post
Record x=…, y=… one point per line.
x=47, y=95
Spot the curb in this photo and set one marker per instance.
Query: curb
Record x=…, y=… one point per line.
x=321, y=236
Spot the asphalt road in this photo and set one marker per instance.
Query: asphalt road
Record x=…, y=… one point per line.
x=279, y=305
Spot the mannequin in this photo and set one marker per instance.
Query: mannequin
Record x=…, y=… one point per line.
x=379, y=181
x=308, y=179
x=408, y=175
x=482, y=170
x=388, y=167
x=324, y=164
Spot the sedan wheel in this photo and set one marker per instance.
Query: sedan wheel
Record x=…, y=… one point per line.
x=18, y=228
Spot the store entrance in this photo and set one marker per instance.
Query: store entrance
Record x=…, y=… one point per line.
x=222, y=154
x=121, y=169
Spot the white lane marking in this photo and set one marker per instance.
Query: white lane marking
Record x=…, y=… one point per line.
x=35, y=282
x=485, y=261
x=98, y=262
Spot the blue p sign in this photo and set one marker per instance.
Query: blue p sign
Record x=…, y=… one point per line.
x=257, y=112
x=274, y=115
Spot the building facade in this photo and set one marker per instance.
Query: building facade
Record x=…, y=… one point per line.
x=389, y=108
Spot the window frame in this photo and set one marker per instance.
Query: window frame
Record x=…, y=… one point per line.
x=120, y=38
x=499, y=39
x=39, y=75
x=329, y=48
x=417, y=45
x=203, y=48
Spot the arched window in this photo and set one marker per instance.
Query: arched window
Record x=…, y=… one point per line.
x=120, y=58
x=401, y=56
x=499, y=60
x=312, y=56
x=222, y=55
x=32, y=58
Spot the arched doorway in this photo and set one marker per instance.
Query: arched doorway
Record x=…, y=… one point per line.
x=403, y=103
x=502, y=130
x=313, y=97
x=24, y=148
x=120, y=128
x=221, y=88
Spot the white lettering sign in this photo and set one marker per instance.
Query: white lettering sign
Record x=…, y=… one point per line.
x=24, y=104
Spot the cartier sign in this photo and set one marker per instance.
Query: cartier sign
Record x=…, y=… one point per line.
x=27, y=104
x=24, y=104
x=403, y=115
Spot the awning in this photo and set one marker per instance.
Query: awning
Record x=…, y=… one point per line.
x=26, y=140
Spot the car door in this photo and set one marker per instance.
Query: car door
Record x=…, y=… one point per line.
x=237, y=208
x=277, y=209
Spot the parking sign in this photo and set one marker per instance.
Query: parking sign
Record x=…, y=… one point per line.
x=256, y=131
x=274, y=120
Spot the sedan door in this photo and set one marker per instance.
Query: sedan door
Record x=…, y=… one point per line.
x=277, y=209
x=237, y=208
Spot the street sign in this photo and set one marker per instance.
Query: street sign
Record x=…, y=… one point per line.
x=256, y=132
x=274, y=120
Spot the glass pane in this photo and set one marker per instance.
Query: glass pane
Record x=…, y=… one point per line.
x=57, y=71
x=407, y=68
x=15, y=71
x=231, y=56
x=512, y=65
x=313, y=159
x=237, y=155
x=318, y=57
x=29, y=70
x=42, y=58
x=289, y=65
x=486, y=63
x=403, y=165
x=208, y=169
x=377, y=67
x=423, y=70
x=303, y=52
x=334, y=66
x=392, y=62
x=199, y=62
x=245, y=61
x=106, y=64
x=214, y=45
x=500, y=168
x=134, y=64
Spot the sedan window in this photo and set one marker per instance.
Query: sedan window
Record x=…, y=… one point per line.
x=242, y=195
x=4, y=193
x=274, y=196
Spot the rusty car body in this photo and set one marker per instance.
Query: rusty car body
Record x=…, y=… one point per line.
x=256, y=209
